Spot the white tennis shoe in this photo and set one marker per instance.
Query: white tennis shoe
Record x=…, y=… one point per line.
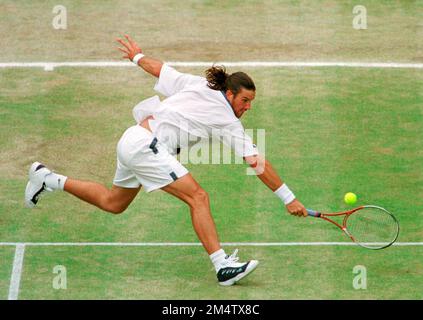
x=36, y=184
x=232, y=271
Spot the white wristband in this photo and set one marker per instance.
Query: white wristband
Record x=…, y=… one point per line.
x=285, y=194
x=137, y=58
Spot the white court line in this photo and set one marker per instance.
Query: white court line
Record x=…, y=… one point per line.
x=20, y=250
x=191, y=244
x=16, y=272
x=49, y=66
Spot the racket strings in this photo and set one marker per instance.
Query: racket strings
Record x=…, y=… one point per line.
x=372, y=227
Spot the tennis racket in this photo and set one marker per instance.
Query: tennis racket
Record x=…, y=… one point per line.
x=371, y=227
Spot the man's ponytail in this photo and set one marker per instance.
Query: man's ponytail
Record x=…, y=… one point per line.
x=216, y=77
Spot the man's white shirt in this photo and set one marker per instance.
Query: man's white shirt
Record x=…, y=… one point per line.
x=192, y=111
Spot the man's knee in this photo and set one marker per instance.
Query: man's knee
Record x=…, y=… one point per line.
x=199, y=197
x=118, y=199
x=113, y=205
x=116, y=209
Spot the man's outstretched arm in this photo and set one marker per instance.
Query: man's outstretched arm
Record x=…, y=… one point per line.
x=131, y=49
x=267, y=174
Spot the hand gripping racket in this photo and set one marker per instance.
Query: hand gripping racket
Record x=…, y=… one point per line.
x=371, y=227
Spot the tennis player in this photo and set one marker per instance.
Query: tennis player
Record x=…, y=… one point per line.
x=146, y=151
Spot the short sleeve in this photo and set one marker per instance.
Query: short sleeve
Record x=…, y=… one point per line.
x=172, y=81
x=234, y=136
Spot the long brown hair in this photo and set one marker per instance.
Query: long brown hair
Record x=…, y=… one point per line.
x=218, y=79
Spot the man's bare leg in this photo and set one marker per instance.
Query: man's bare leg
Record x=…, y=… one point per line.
x=117, y=199
x=189, y=191
x=228, y=269
x=114, y=200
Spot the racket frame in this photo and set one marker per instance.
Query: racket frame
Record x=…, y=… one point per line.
x=347, y=214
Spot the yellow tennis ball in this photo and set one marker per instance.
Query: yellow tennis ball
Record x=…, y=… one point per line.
x=350, y=198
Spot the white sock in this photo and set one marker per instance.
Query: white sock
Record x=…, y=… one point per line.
x=217, y=258
x=55, y=181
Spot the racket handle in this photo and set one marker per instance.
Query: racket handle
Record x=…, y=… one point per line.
x=313, y=213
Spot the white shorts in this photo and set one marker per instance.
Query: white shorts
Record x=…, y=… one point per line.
x=143, y=160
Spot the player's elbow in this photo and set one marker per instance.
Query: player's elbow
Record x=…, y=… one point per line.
x=251, y=160
x=257, y=163
x=157, y=69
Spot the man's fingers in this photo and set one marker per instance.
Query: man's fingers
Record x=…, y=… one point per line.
x=123, y=43
x=297, y=209
x=123, y=50
x=300, y=212
x=130, y=40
